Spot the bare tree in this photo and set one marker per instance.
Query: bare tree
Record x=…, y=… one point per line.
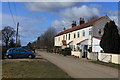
x=46, y=40
x=92, y=18
x=7, y=34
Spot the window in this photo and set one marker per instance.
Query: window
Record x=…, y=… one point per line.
x=66, y=36
x=90, y=32
x=74, y=35
x=69, y=37
x=99, y=32
x=22, y=50
x=55, y=39
x=78, y=34
x=59, y=39
x=83, y=33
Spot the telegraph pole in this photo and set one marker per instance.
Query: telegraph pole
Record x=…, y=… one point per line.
x=17, y=34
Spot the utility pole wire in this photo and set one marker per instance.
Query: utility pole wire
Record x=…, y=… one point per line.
x=11, y=12
x=15, y=11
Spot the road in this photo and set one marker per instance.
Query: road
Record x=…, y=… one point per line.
x=80, y=68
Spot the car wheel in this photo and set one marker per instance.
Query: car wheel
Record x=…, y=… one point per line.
x=30, y=56
x=10, y=56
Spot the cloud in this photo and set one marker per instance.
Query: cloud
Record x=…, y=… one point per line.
x=74, y=13
x=49, y=6
x=112, y=14
x=29, y=28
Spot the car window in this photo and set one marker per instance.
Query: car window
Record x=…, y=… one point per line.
x=15, y=50
x=22, y=50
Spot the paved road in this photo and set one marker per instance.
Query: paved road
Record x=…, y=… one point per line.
x=79, y=68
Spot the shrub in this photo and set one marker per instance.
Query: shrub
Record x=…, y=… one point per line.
x=66, y=51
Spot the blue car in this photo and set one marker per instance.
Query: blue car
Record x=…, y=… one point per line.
x=19, y=53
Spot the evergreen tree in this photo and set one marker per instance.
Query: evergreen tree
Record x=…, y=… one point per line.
x=110, y=41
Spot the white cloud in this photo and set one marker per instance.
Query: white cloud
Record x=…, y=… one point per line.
x=29, y=29
x=74, y=13
x=49, y=6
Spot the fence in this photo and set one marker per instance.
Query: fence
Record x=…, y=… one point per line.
x=105, y=57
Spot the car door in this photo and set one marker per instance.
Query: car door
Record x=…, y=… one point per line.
x=16, y=53
x=23, y=53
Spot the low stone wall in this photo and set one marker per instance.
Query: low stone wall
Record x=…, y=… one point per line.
x=105, y=57
x=115, y=58
x=92, y=56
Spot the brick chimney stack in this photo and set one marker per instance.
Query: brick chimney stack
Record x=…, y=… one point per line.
x=82, y=21
x=73, y=24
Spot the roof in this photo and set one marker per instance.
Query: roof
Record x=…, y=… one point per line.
x=97, y=37
x=80, y=26
x=82, y=41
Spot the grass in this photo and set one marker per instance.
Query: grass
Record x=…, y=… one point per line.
x=117, y=66
x=32, y=69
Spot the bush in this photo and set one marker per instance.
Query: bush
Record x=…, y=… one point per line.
x=66, y=51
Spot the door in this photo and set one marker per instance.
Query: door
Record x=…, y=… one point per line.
x=16, y=53
x=23, y=53
x=85, y=50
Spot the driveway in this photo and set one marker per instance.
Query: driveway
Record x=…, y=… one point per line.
x=79, y=68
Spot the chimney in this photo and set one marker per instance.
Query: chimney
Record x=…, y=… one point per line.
x=73, y=24
x=64, y=28
x=82, y=21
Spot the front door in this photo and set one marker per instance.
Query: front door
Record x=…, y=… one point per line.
x=85, y=50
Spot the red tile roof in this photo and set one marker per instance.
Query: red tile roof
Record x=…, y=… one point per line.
x=80, y=26
x=97, y=37
x=82, y=41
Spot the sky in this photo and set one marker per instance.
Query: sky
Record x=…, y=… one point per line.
x=36, y=17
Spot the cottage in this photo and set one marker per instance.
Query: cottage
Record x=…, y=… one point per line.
x=83, y=38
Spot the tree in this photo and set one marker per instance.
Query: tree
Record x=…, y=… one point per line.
x=29, y=44
x=7, y=34
x=12, y=43
x=110, y=41
x=93, y=18
x=46, y=40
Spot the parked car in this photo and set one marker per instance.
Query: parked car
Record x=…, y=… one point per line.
x=28, y=48
x=19, y=53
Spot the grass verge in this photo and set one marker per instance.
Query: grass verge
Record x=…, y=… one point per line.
x=32, y=69
x=117, y=66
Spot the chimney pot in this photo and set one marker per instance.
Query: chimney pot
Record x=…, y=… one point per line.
x=73, y=24
x=64, y=28
x=82, y=21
